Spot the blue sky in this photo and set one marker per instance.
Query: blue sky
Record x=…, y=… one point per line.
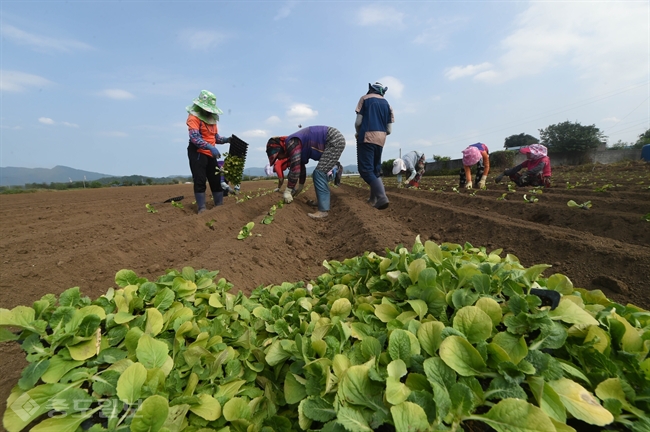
x=102, y=86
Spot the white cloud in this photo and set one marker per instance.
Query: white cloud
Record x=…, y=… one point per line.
x=439, y=30
x=13, y=81
x=116, y=94
x=273, y=120
x=202, y=40
x=603, y=40
x=255, y=133
x=375, y=15
x=301, y=112
x=114, y=134
x=49, y=121
x=285, y=10
x=463, y=71
x=395, y=86
x=41, y=43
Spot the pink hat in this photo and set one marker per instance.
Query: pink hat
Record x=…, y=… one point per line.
x=536, y=150
x=471, y=155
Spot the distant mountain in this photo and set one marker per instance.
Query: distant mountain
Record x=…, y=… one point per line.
x=13, y=176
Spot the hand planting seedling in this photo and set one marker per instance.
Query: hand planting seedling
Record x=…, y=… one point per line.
x=150, y=209
x=585, y=205
x=246, y=231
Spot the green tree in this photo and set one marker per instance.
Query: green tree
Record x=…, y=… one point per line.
x=437, y=158
x=644, y=139
x=521, y=140
x=387, y=167
x=571, y=137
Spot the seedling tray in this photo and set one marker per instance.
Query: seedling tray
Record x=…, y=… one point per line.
x=238, y=147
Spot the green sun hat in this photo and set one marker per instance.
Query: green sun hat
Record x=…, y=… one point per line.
x=207, y=101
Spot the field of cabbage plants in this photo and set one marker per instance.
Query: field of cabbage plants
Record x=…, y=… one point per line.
x=450, y=310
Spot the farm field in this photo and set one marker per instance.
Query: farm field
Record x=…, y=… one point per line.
x=52, y=241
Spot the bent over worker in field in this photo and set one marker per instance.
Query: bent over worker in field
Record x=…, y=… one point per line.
x=202, y=151
x=280, y=166
x=479, y=155
x=320, y=143
x=412, y=164
x=373, y=125
x=538, y=168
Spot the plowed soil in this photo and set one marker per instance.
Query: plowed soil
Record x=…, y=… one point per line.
x=52, y=241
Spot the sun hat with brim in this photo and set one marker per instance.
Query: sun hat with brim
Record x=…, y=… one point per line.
x=398, y=166
x=471, y=155
x=378, y=87
x=208, y=102
x=536, y=150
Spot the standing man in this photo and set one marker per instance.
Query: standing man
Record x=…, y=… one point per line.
x=373, y=124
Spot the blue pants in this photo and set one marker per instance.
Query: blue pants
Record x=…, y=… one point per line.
x=322, y=190
x=369, y=161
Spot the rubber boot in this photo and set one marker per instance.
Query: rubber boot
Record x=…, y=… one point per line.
x=377, y=189
x=218, y=198
x=200, y=202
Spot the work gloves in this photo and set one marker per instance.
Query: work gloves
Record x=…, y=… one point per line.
x=276, y=190
x=287, y=195
x=215, y=152
x=468, y=185
x=481, y=183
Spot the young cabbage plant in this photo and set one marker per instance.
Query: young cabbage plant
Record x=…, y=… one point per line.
x=151, y=209
x=532, y=199
x=585, y=205
x=246, y=231
x=177, y=204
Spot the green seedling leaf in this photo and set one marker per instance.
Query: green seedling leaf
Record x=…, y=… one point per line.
x=150, y=209
x=581, y=403
x=246, y=231
x=514, y=415
x=409, y=417
x=475, y=324
x=209, y=408
x=461, y=356
x=151, y=415
x=129, y=386
x=585, y=205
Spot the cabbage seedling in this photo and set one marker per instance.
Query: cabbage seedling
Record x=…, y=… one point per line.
x=646, y=217
x=246, y=231
x=585, y=205
x=177, y=204
x=532, y=199
x=502, y=197
x=150, y=209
